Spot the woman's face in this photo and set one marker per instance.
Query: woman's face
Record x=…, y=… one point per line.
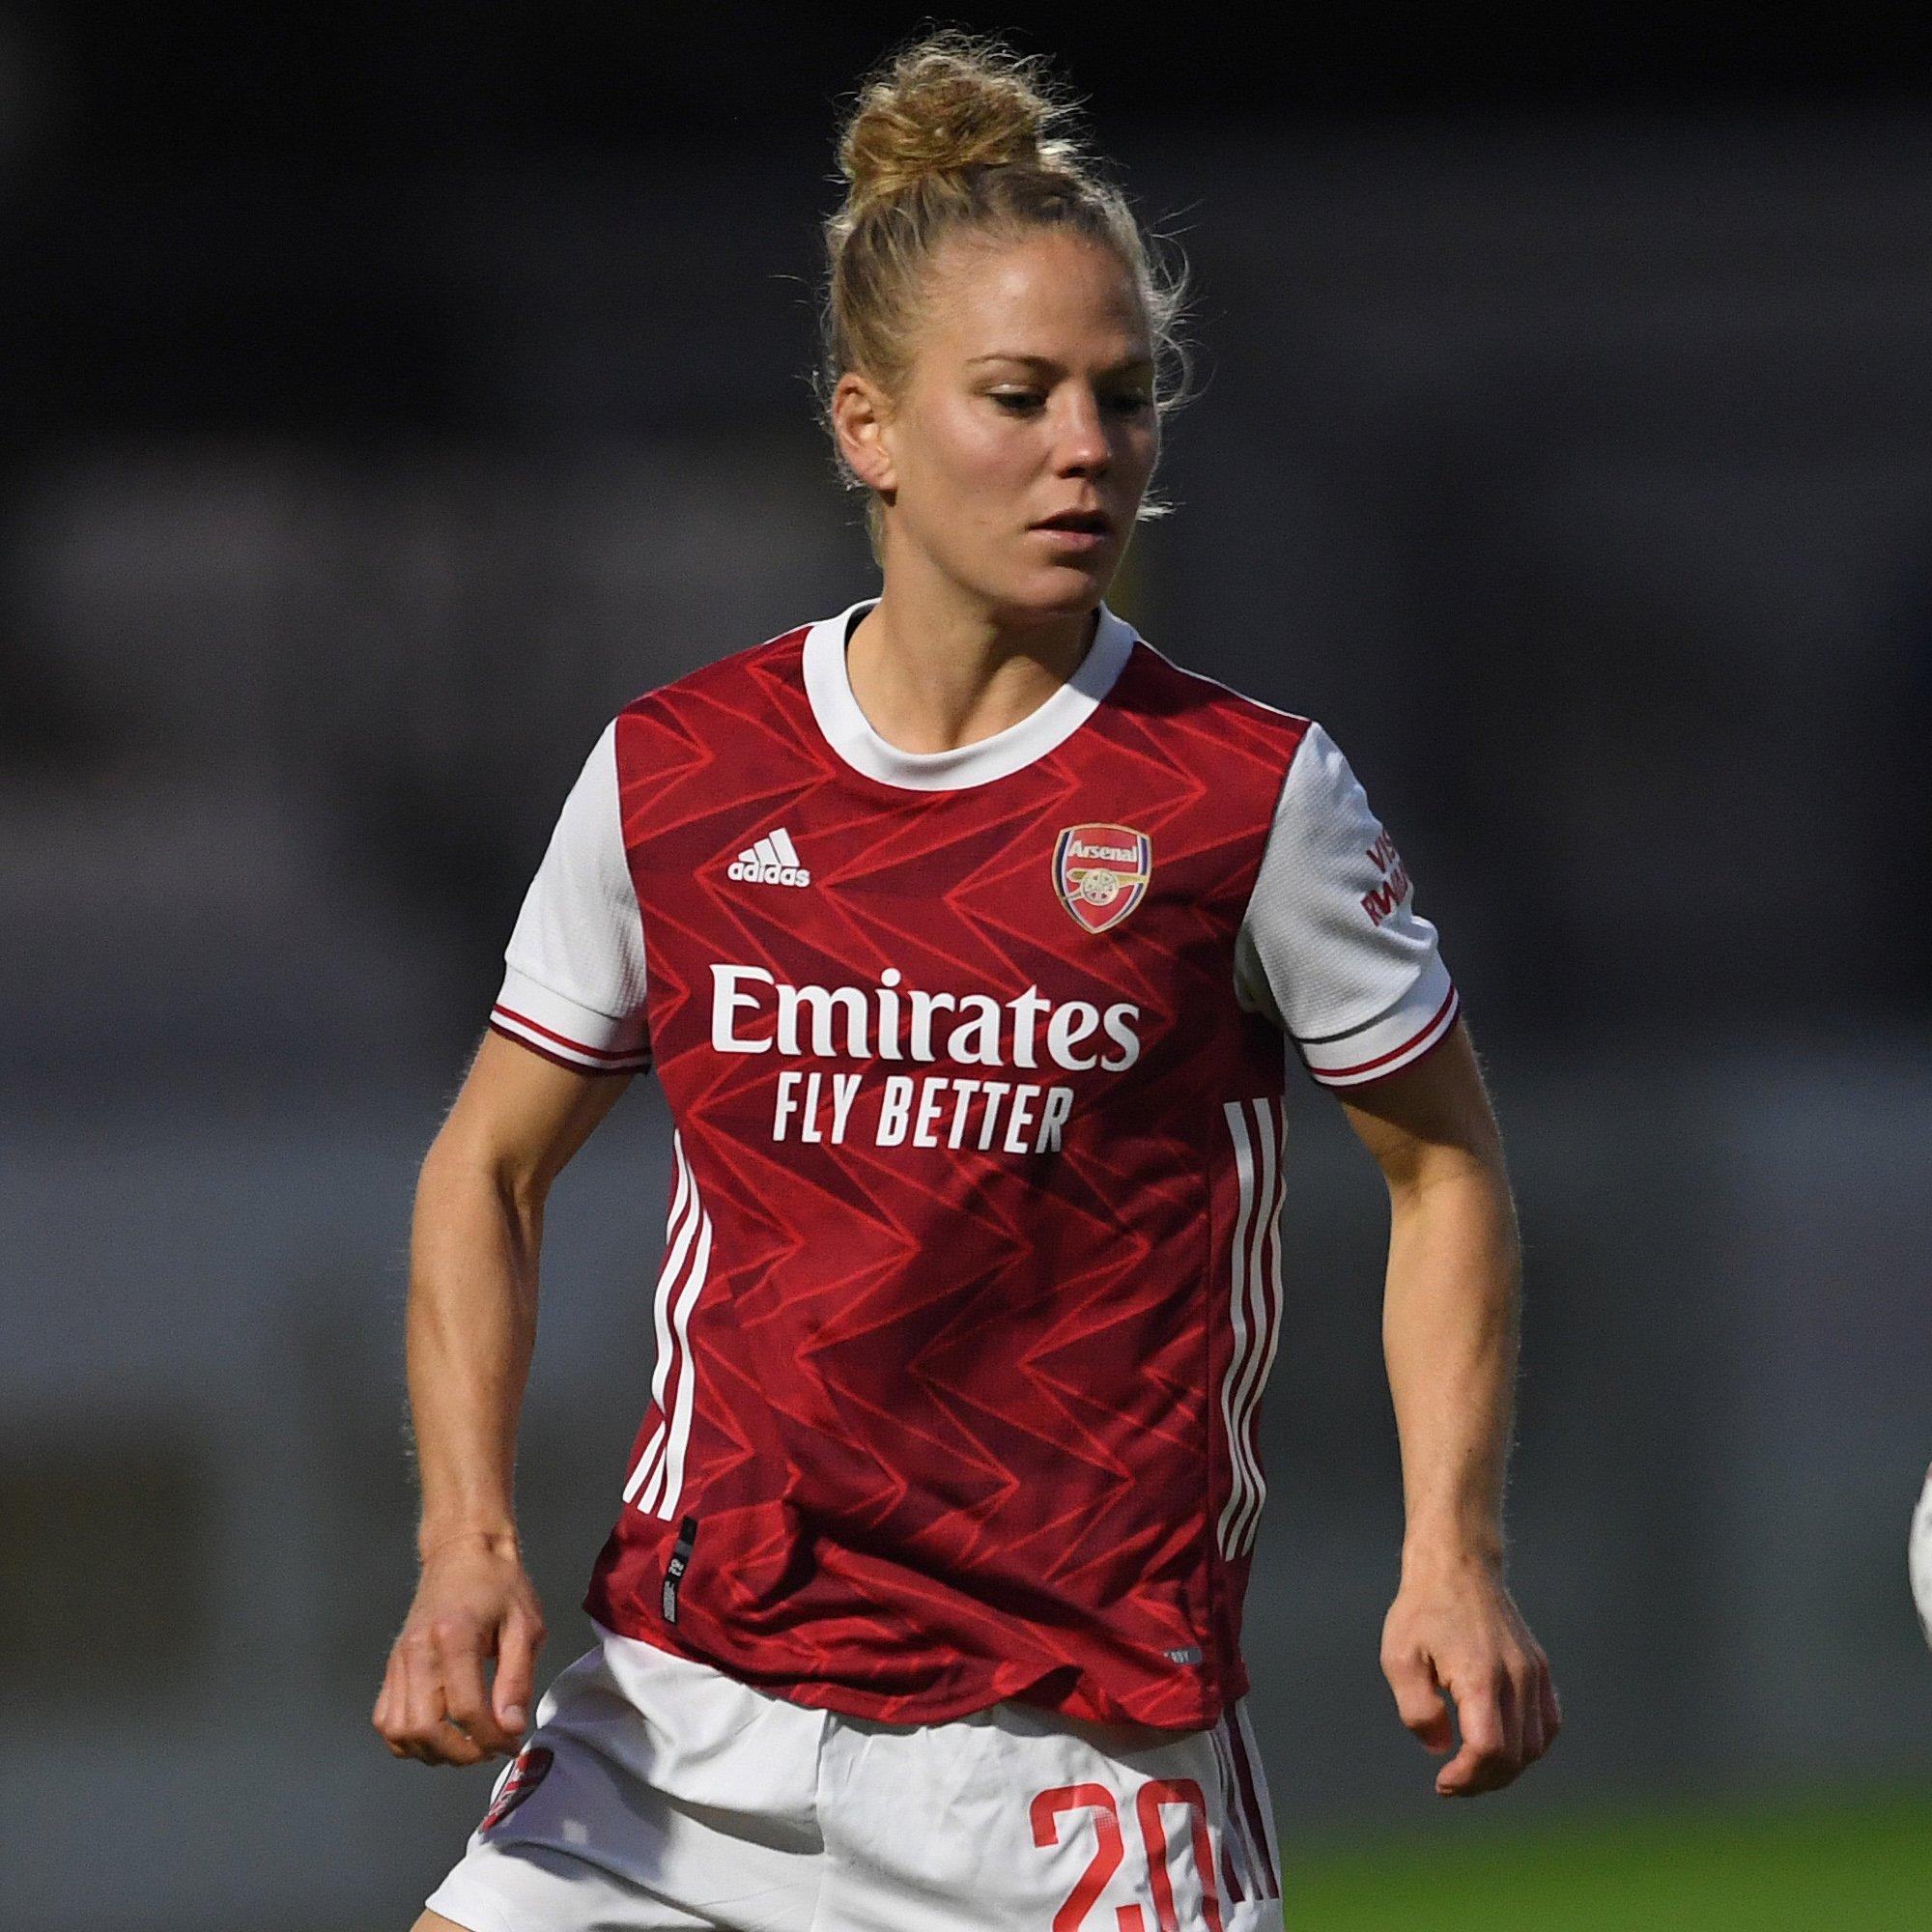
x=1030, y=397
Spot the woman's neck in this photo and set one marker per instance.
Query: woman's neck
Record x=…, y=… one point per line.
x=932, y=671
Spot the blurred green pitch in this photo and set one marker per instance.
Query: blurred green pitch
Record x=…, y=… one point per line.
x=1862, y=1863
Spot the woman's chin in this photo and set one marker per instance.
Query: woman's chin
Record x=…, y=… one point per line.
x=1064, y=589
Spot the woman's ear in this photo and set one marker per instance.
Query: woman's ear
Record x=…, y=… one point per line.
x=861, y=419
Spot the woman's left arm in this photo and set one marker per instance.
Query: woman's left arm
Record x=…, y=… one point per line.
x=1450, y=1325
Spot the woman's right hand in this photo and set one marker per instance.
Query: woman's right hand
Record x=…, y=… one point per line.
x=473, y=1602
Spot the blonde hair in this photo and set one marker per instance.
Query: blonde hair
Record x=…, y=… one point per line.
x=957, y=132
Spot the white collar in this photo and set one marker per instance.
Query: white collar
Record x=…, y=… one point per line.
x=849, y=732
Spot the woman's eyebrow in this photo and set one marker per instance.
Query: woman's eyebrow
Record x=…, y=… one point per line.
x=1131, y=365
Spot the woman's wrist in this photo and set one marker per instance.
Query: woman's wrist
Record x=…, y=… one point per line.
x=491, y=1539
x=1435, y=1547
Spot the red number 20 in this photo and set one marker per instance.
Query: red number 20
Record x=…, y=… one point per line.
x=1108, y=1850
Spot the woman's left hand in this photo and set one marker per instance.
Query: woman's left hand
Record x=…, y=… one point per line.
x=1455, y=1629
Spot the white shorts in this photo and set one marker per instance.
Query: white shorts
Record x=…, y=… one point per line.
x=658, y=1793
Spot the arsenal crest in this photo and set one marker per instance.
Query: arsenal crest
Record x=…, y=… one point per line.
x=1102, y=872
x=531, y=1766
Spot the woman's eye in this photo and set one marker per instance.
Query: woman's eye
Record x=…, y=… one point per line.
x=1018, y=402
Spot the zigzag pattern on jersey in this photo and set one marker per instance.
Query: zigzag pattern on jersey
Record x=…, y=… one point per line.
x=943, y=1412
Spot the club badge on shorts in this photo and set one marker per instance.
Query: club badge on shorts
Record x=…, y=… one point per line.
x=528, y=1771
x=1102, y=872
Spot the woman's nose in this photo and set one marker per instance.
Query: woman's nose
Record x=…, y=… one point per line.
x=1082, y=443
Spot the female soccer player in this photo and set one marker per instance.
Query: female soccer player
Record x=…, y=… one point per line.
x=963, y=929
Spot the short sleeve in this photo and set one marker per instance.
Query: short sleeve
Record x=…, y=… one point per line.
x=1331, y=948
x=574, y=984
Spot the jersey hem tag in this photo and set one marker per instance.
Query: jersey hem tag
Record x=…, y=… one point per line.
x=680, y=1561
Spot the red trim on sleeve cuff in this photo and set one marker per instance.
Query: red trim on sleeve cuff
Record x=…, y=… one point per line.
x=1430, y=1034
x=637, y=1066
x=564, y=1040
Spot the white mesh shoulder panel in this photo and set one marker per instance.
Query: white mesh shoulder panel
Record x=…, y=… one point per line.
x=1332, y=947
x=574, y=987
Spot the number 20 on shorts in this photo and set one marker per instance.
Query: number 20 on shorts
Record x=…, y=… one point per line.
x=1151, y=1802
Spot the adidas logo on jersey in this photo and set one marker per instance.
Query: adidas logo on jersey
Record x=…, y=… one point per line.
x=772, y=861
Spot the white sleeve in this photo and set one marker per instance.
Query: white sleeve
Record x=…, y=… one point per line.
x=1331, y=947
x=574, y=987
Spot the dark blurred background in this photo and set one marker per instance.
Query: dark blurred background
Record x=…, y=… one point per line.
x=390, y=394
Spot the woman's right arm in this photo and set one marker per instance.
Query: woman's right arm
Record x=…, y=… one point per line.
x=471, y=1325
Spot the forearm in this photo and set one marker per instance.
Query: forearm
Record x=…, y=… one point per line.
x=471, y=1329
x=1450, y=1333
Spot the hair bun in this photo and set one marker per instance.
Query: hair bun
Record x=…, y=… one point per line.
x=948, y=103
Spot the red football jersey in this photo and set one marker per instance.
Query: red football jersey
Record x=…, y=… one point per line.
x=973, y=1272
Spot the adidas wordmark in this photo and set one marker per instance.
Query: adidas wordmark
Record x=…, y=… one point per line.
x=772, y=861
